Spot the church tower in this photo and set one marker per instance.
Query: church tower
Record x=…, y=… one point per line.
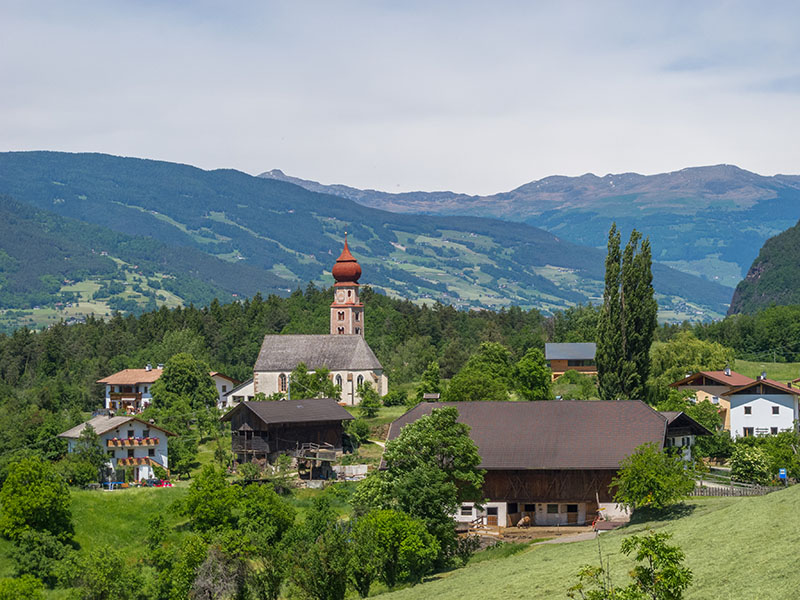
x=347, y=312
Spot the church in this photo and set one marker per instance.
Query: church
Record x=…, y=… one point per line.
x=343, y=351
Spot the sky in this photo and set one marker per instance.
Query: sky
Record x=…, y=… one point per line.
x=474, y=97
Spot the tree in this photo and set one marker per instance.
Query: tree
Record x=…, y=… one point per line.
x=651, y=478
x=35, y=497
x=211, y=501
x=17, y=588
x=370, y=401
x=185, y=378
x=431, y=383
x=661, y=577
x=102, y=574
x=316, y=384
x=684, y=353
x=89, y=449
x=487, y=375
x=534, y=379
x=320, y=570
x=182, y=453
x=750, y=464
x=628, y=319
x=38, y=553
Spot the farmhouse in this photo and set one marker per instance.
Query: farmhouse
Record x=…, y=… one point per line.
x=552, y=461
x=714, y=386
x=130, y=442
x=262, y=430
x=344, y=351
x=571, y=357
x=763, y=407
x=129, y=390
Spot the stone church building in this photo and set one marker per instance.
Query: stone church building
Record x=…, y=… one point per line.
x=344, y=351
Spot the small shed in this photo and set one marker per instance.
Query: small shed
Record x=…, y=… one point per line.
x=302, y=428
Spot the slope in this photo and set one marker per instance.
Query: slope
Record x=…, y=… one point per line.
x=44, y=258
x=773, y=278
x=292, y=233
x=736, y=548
x=708, y=221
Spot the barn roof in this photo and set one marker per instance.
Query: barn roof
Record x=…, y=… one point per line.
x=552, y=435
x=576, y=351
x=103, y=424
x=336, y=352
x=720, y=377
x=293, y=411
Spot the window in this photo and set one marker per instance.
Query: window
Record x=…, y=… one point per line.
x=357, y=316
x=529, y=508
x=224, y=388
x=338, y=381
x=466, y=511
x=748, y=432
x=130, y=453
x=512, y=508
x=151, y=452
x=349, y=293
x=552, y=509
x=340, y=315
x=340, y=330
x=714, y=399
x=748, y=410
x=146, y=433
x=491, y=511
x=358, y=330
x=572, y=508
x=773, y=430
x=776, y=410
x=360, y=380
x=130, y=433
x=283, y=383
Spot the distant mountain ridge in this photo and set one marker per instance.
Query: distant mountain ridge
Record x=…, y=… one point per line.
x=293, y=235
x=708, y=221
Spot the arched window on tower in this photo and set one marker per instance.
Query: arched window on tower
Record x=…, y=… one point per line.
x=349, y=293
x=357, y=316
x=283, y=382
x=340, y=315
x=358, y=330
x=339, y=381
x=340, y=330
x=360, y=380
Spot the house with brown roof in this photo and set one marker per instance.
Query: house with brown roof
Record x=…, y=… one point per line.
x=130, y=442
x=262, y=430
x=129, y=390
x=763, y=407
x=550, y=461
x=714, y=386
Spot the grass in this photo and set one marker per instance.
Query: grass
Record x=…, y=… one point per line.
x=779, y=371
x=736, y=547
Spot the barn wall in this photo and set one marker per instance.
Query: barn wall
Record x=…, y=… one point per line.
x=549, y=485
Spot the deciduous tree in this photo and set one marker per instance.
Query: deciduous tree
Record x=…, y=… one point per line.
x=651, y=478
x=534, y=379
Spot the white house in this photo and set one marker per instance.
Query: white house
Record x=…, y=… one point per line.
x=764, y=407
x=129, y=441
x=682, y=431
x=243, y=392
x=129, y=390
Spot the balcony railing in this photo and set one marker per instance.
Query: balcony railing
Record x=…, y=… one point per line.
x=132, y=442
x=136, y=461
x=125, y=396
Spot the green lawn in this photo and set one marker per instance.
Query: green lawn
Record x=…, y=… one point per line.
x=736, y=547
x=778, y=371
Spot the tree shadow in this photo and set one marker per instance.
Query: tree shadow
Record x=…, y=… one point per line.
x=670, y=513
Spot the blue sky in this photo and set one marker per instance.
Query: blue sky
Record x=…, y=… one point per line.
x=468, y=96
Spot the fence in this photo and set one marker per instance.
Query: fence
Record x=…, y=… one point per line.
x=738, y=490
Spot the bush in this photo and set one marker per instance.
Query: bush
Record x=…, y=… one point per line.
x=249, y=470
x=749, y=464
x=395, y=397
x=358, y=430
x=652, y=478
x=16, y=588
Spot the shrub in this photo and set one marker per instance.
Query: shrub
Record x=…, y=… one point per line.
x=650, y=477
x=750, y=465
x=249, y=470
x=358, y=430
x=395, y=397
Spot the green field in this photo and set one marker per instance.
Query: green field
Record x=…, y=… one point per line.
x=736, y=547
x=786, y=371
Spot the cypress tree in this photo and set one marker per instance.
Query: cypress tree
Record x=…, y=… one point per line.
x=628, y=319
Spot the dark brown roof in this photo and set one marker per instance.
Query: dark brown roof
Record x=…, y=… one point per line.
x=552, y=435
x=294, y=411
x=732, y=380
x=679, y=419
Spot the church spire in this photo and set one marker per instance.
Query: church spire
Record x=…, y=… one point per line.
x=347, y=312
x=346, y=269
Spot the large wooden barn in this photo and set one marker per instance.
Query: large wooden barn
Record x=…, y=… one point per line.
x=264, y=429
x=551, y=461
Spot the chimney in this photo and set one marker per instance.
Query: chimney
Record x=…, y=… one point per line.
x=160, y=365
x=148, y=367
x=728, y=370
x=763, y=375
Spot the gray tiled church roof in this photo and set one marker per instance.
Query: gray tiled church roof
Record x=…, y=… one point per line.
x=336, y=352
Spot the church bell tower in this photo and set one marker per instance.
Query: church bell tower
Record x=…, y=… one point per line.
x=347, y=311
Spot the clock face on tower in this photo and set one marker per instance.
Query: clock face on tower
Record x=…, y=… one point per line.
x=340, y=295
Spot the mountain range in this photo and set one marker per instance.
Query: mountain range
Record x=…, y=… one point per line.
x=707, y=221
x=274, y=236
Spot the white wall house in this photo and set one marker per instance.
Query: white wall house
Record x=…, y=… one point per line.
x=682, y=432
x=764, y=407
x=241, y=393
x=129, y=391
x=129, y=441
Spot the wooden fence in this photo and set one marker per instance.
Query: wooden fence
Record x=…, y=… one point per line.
x=755, y=490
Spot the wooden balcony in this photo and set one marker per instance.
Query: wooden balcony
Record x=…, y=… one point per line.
x=133, y=443
x=136, y=461
x=125, y=396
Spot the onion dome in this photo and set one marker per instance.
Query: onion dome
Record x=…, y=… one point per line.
x=346, y=269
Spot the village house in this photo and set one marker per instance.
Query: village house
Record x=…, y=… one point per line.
x=763, y=407
x=343, y=351
x=241, y=393
x=554, y=461
x=129, y=441
x=714, y=387
x=129, y=390
x=682, y=431
x=571, y=357
x=262, y=430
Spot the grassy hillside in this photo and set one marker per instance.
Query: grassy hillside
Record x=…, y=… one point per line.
x=736, y=547
x=286, y=231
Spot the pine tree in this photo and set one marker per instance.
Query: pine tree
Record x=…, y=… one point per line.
x=628, y=319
